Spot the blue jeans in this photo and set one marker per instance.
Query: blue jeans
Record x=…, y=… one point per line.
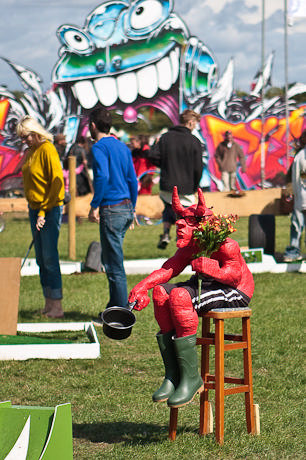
x=298, y=222
x=45, y=243
x=114, y=222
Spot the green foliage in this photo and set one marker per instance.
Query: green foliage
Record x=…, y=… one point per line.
x=274, y=91
x=18, y=94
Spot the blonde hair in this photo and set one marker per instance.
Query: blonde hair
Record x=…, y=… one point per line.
x=28, y=125
x=188, y=115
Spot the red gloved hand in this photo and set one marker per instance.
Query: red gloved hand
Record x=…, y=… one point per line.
x=141, y=297
x=204, y=265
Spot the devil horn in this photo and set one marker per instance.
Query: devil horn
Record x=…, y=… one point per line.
x=177, y=207
x=201, y=207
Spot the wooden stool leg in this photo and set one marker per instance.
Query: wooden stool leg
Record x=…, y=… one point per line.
x=219, y=384
x=247, y=363
x=205, y=408
x=173, y=423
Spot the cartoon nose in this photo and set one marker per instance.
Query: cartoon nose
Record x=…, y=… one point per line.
x=100, y=65
x=103, y=29
x=117, y=62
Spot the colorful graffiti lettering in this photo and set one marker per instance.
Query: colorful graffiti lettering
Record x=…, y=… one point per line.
x=10, y=159
x=248, y=136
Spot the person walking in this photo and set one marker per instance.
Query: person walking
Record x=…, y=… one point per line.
x=298, y=216
x=60, y=143
x=44, y=190
x=140, y=148
x=226, y=156
x=113, y=204
x=83, y=181
x=178, y=154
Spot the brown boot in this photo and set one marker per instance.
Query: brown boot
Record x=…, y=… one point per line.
x=56, y=310
x=48, y=306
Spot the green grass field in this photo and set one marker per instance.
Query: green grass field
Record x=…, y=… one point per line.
x=112, y=411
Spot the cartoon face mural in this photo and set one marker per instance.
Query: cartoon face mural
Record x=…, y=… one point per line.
x=135, y=53
x=131, y=54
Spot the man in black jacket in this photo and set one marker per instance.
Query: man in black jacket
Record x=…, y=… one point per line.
x=178, y=154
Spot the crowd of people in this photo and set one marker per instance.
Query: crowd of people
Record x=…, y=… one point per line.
x=116, y=174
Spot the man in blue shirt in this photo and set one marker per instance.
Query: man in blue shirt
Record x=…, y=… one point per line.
x=113, y=204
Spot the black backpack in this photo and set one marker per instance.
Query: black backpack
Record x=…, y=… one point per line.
x=93, y=258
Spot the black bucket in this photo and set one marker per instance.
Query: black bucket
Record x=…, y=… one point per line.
x=118, y=321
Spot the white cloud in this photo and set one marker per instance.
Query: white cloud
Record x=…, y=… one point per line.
x=250, y=11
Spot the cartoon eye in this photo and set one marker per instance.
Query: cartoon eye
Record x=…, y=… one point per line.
x=145, y=14
x=75, y=39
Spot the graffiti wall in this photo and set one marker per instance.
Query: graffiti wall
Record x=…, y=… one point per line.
x=248, y=135
x=140, y=53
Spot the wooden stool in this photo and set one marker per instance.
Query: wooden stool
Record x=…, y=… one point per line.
x=216, y=382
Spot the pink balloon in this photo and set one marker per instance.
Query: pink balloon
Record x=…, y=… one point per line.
x=130, y=115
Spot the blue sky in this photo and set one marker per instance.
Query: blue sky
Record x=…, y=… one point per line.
x=230, y=28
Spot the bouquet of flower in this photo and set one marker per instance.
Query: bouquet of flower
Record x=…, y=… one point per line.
x=212, y=232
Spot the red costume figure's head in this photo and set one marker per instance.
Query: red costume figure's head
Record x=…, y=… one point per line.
x=188, y=218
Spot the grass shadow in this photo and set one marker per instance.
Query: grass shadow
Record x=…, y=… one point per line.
x=70, y=316
x=122, y=432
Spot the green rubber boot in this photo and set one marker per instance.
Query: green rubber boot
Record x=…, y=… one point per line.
x=167, y=351
x=190, y=380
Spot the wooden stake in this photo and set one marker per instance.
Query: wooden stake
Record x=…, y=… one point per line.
x=71, y=207
x=9, y=299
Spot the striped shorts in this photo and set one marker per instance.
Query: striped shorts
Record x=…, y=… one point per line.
x=213, y=294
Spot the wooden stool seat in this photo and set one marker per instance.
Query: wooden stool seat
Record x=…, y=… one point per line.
x=217, y=380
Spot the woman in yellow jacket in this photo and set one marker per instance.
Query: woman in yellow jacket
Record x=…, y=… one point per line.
x=44, y=190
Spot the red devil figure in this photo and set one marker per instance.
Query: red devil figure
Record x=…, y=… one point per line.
x=226, y=283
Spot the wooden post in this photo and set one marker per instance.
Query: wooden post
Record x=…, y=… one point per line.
x=248, y=379
x=9, y=299
x=205, y=406
x=71, y=207
x=219, y=380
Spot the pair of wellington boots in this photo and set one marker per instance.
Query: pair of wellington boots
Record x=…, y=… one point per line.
x=53, y=308
x=182, y=379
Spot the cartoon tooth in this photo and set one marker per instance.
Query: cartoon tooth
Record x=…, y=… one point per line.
x=86, y=94
x=164, y=72
x=145, y=75
x=106, y=88
x=127, y=87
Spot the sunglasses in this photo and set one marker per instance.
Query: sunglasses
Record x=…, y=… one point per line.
x=24, y=138
x=191, y=220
